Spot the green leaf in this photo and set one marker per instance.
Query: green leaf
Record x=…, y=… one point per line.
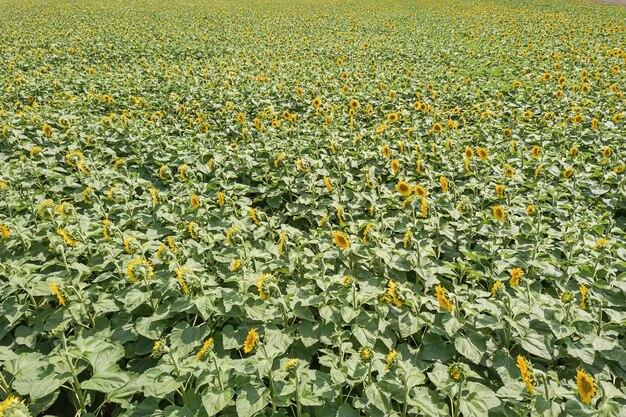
x=216, y=400
x=106, y=382
x=251, y=399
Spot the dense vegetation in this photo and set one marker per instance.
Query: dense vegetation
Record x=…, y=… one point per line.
x=322, y=208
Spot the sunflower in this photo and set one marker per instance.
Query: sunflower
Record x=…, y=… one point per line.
x=205, y=346
x=139, y=268
x=386, y=150
x=66, y=238
x=354, y=104
x=498, y=213
x=389, y=360
x=424, y=208
x=329, y=186
x=526, y=372
x=260, y=285
x=482, y=153
x=573, y=151
x=442, y=298
x=499, y=191
x=195, y=201
x=54, y=288
x=516, y=274
x=47, y=130
x=443, y=181
x=584, y=293
x=253, y=216
x=568, y=172
x=420, y=191
x=291, y=363
x=365, y=354
x=586, y=386
x=558, y=93
x=577, y=119
x=530, y=210
x=535, y=151
x=606, y=152
x=403, y=188
x=5, y=232
x=469, y=153
x=251, y=340
x=316, y=102
x=509, y=171
x=494, y=288
x=617, y=117
x=619, y=169
x=507, y=132
x=392, y=117
x=47, y=208
x=341, y=240
x=395, y=166
x=437, y=128
x=180, y=275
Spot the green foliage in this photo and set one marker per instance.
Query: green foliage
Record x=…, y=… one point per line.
x=211, y=208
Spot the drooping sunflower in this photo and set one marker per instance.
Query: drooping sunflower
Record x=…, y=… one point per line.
x=251, y=340
x=403, y=188
x=341, y=240
x=526, y=372
x=442, y=298
x=205, y=347
x=54, y=288
x=568, y=172
x=586, y=386
x=483, y=153
x=195, y=201
x=389, y=360
x=499, y=191
x=443, y=181
x=395, y=166
x=138, y=269
x=516, y=274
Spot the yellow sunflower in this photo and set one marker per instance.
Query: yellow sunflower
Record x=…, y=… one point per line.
x=341, y=240
x=586, y=386
x=403, y=188
x=498, y=213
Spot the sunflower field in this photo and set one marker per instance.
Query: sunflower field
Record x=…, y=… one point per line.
x=312, y=208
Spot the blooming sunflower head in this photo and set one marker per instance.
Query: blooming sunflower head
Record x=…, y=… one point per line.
x=403, y=188
x=535, y=151
x=498, y=213
x=483, y=153
x=341, y=240
x=586, y=386
x=568, y=172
